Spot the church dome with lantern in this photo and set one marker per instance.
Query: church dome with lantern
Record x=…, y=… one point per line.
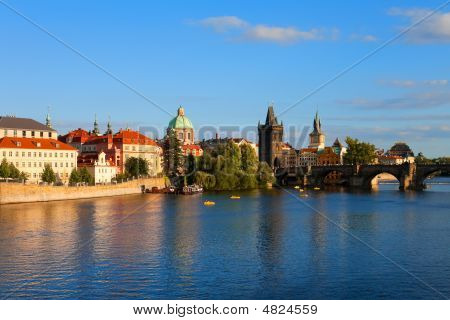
x=180, y=121
x=183, y=128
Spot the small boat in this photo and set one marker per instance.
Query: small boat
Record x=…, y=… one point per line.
x=235, y=197
x=192, y=189
x=209, y=203
x=297, y=187
x=304, y=195
x=317, y=188
x=301, y=190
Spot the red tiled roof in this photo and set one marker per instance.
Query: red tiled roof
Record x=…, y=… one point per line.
x=133, y=137
x=191, y=147
x=78, y=135
x=33, y=143
x=312, y=150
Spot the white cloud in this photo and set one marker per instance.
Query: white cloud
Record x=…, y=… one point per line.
x=436, y=82
x=413, y=83
x=363, y=37
x=224, y=23
x=245, y=31
x=281, y=35
x=434, y=29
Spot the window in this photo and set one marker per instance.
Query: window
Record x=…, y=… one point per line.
x=4, y=153
x=10, y=153
x=24, y=133
x=41, y=134
x=23, y=154
x=15, y=133
x=17, y=153
x=49, y=134
x=33, y=134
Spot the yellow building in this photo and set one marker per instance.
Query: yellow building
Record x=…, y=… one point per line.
x=29, y=145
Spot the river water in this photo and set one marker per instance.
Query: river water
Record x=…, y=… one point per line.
x=270, y=244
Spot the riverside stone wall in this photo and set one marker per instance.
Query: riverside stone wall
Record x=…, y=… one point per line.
x=19, y=193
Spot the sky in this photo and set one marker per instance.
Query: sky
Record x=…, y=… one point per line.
x=361, y=65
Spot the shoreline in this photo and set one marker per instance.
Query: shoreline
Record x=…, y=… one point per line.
x=16, y=193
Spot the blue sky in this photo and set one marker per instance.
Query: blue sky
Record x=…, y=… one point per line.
x=224, y=61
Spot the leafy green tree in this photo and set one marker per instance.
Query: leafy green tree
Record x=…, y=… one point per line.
x=4, y=169
x=136, y=167
x=85, y=176
x=48, y=175
x=359, y=152
x=173, y=156
x=421, y=159
x=74, y=177
x=249, y=161
x=265, y=174
x=23, y=176
x=14, y=173
x=191, y=168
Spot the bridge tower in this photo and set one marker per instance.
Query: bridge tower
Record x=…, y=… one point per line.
x=270, y=136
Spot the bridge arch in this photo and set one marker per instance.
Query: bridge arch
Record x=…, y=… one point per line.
x=321, y=174
x=425, y=174
x=370, y=172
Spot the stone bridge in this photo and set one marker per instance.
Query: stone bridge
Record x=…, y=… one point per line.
x=411, y=176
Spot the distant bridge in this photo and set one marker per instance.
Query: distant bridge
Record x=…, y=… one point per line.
x=411, y=176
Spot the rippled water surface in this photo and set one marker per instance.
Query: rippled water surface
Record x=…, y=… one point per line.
x=270, y=244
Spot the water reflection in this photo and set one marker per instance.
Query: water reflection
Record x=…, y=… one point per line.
x=265, y=245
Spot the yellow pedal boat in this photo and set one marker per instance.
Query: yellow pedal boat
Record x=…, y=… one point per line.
x=209, y=203
x=316, y=188
x=296, y=187
x=235, y=197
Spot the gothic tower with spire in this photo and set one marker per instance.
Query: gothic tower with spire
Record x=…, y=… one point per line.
x=270, y=136
x=317, y=136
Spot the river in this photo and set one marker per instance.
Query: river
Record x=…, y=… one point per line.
x=270, y=244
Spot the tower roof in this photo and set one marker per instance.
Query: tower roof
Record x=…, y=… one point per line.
x=270, y=118
x=317, y=125
x=180, y=121
x=337, y=143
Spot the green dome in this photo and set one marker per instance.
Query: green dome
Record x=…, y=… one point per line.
x=180, y=121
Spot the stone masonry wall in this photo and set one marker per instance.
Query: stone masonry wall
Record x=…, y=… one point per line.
x=19, y=193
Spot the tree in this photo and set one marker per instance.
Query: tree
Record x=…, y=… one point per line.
x=191, y=168
x=48, y=175
x=74, y=177
x=86, y=177
x=249, y=161
x=4, y=169
x=421, y=159
x=23, y=176
x=173, y=156
x=359, y=152
x=14, y=173
x=265, y=174
x=136, y=167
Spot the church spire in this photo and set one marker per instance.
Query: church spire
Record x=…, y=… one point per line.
x=317, y=125
x=109, y=127
x=48, y=120
x=96, y=131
